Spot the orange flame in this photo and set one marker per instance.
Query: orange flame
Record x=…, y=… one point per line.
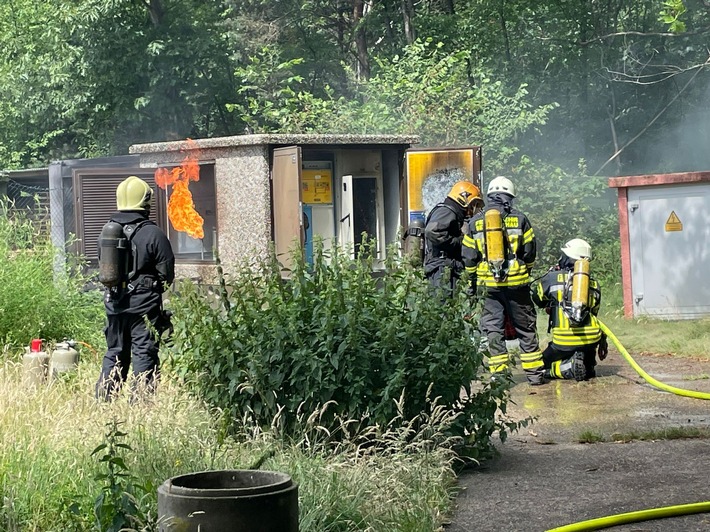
x=181, y=208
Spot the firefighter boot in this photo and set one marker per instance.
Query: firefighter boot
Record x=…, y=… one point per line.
x=498, y=366
x=571, y=368
x=590, y=362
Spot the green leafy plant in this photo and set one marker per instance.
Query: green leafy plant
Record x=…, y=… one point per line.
x=671, y=13
x=380, y=347
x=117, y=507
x=562, y=205
x=274, y=98
x=446, y=98
x=41, y=297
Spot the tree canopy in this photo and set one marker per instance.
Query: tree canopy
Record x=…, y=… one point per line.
x=621, y=85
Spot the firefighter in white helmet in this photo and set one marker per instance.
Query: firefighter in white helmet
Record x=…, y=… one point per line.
x=443, y=235
x=136, y=264
x=576, y=336
x=499, y=250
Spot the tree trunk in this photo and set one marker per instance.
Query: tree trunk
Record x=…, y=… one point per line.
x=408, y=17
x=360, y=40
x=155, y=10
x=504, y=28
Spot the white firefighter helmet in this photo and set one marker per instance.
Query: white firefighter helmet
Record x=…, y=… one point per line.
x=501, y=184
x=577, y=249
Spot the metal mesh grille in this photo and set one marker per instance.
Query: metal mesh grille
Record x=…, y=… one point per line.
x=32, y=200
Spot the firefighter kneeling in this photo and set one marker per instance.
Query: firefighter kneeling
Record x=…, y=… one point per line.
x=572, y=298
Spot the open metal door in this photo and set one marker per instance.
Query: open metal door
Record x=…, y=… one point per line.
x=362, y=214
x=431, y=172
x=286, y=203
x=347, y=227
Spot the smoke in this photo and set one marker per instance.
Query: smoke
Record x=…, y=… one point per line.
x=685, y=145
x=437, y=185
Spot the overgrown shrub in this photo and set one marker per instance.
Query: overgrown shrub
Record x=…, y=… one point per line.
x=36, y=302
x=563, y=205
x=335, y=334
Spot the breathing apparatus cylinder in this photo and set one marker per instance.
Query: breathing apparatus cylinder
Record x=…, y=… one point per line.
x=495, y=243
x=414, y=242
x=580, y=289
x=112, y=261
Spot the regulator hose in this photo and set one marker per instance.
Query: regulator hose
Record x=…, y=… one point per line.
x=653, y=513
x=646, y=376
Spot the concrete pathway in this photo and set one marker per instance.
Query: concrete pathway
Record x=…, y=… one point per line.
x=545, y=478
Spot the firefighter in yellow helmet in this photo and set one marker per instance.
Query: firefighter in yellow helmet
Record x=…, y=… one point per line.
x=499, y=250
x=136, y=264
x=576, y=336
x=443, y=235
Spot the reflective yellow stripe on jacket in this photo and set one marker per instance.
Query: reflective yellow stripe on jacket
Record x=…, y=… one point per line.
x=518, y=273
x=564, y=334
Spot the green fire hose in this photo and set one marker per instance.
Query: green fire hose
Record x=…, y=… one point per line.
x=653, y=513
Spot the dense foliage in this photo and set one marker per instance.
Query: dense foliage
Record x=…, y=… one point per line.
x=334, y=338
x=40, y=298
x=90, y=77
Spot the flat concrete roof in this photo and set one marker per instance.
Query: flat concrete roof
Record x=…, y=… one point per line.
x=272, y=139
x=658, y=179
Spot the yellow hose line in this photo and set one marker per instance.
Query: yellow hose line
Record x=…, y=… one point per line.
x=646, y=376
x=635, y=517
x=653, y=513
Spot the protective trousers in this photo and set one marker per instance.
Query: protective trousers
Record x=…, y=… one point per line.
x=443, y=274
x=517, y=304
x=126, y=335
x=562, y=364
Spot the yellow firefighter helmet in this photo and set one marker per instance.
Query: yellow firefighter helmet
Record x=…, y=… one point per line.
x=465, y=193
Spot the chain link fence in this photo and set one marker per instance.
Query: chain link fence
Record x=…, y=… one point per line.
x=34, y=202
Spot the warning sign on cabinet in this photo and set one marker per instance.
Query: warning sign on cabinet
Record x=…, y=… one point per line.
x=673, y=223
x=316, y=186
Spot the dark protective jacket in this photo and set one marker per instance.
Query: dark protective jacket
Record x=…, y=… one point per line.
x=549, y=291
x=521, y=246
x=443, y=236
x=155, y=268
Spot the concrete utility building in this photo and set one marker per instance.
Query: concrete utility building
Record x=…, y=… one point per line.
x=665, y=244
x=250, y=192
x=257, y=189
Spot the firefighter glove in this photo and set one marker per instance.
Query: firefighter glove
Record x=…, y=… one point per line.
x=164, y=324
x=603, y=348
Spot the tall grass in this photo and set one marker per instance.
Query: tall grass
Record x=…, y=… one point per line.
x=48, y=475
x=41, y=299
x=687, y=338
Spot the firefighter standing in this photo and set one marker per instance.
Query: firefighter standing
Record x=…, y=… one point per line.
x=147, y=268
x=499, y=248
x=576, y=336
x=443, y=235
